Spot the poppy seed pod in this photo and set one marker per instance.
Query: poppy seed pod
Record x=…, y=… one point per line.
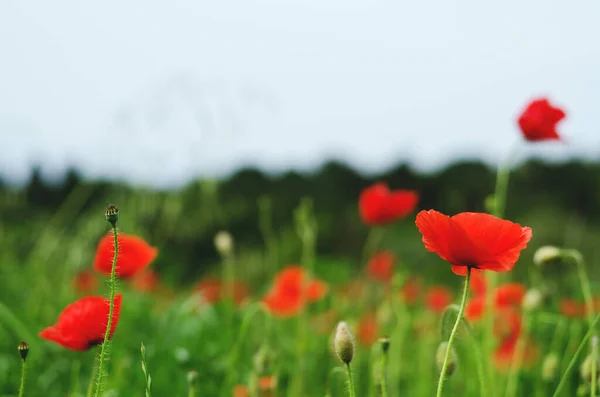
x=532, y=300
x=440, y=355
x=23, y=348
x=224, y=243
x=112, y=214
x=586, y=368
x=343, y=343
x=192, y=376
x=550, y=366
x=385, y=344
x=546, y=254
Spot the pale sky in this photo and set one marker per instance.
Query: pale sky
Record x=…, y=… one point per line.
x=159, y=92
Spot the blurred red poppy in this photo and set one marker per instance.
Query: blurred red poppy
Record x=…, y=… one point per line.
x=145, y=281
x=381, y=266
x=475, y=240
x=134, y=255
x=411, y=291
x=572, y=308
x=266, y=383
x=478, y=283
x=85, y=282
x=212, y=290
x=509, y=294
x=379, y=206
x=505, y=354
x=240, y=391
x=291, y=291
x=367, y=330
x=538, y=121
x=82, y=324
x=438, y=298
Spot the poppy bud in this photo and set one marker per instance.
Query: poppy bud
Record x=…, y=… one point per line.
x=550, y=366
x=385, y=344
x=224, y=243
x=586, y=368
x=532, y=300
x=23, y=350
x=452, y=359
x=192, y=377
x=112, y=214
x=546, y=254
x=262, y=360
x=343, y=343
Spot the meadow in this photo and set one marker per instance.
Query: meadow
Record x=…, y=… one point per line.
x=326, y=285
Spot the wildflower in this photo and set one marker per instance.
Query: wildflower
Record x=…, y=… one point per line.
x=473, y=240
x=145, y=281
x=343, y=343
x=291, y=291
x=572, y=308
x=532, y=300
x=380, y=206
x=381, y=266
x=438, y=298
x=240, y=391
x=85, y=282
x=82, y=324
x=212, y=290
x=367, y=330
x=410, y=291
x=538, y=121
x=478, y=284
x=134, y=255
x=546, y=254
x=509, y=294
x=224, y=243
x=266, y=383
x=23, y=349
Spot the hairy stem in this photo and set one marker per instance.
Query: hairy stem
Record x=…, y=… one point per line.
x=351, y=391
x=23, y=373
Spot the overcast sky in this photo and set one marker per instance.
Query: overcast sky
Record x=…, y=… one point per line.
x=158, y=92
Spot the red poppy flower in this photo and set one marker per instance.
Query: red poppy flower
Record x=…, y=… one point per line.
x=572, y=308
x=134, y=255
x=240, y=391
x=478, y=283
x=146, y=281
x=475, y=308
x=85, y=282
x=266, y=383
x=538, y=121
x=410, y=291
x=438, y=298
x=381, y=266
x=505, y=354
x=291, y=291
x=509, y=294
x=367, y=330
x=212, y=290
x=475, y=240
x=379, y=206
x=82, y=324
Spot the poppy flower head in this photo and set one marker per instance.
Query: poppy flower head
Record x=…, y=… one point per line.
x=478, y=283
x=539, y=120
x=291, y=290
x=379, y=206
x=475, y=308
x=381, y=266
x=438, y=298
x=509, y=294
x=85, y=282
x=135, y=255
x=411, y=291
x=145, y=281
x=241, y=391
x=473, y=240
x=367, y=330
x=83, y=323
x=212, y=290
x=571, y=308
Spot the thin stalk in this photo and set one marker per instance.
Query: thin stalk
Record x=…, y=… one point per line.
x=191, y=391
x=103, y=350
x=563, y=379
x=594, y=383
x=351, y=391
x=383, y=372
x=23, y=374
x=463, y=302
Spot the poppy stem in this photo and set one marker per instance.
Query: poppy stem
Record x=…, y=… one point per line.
x=103, y=350
x=351, y=391
x=461, y=310
x=517, y=362
x=565, y=376
x=383, y=373
x=23, y=373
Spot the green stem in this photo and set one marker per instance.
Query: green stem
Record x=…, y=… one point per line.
x=515, y=365
x=479, y=359
x=191, y=391
x=23, y=373
x=374, y=238
x=103, y=350
x=563, y=379
x=351, y=391
x=463, y=302
x=383, y=373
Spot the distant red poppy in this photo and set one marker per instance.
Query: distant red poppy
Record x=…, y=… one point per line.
x=379, y=206
x=509, y=294
x=367, y=330
x=212, y=290
x=145, y=281
x=411, y=291
x=134, y=255
x=505, y=354
x=266, y=383
x=478, y=283
x=572, y=308
x=291, y=291
x=381, y=266
x=82, y=324
x=538, y=121
x=475, y=240
x=85, y=282
x=240, y=391
x=475, y=308
x=438, y=298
